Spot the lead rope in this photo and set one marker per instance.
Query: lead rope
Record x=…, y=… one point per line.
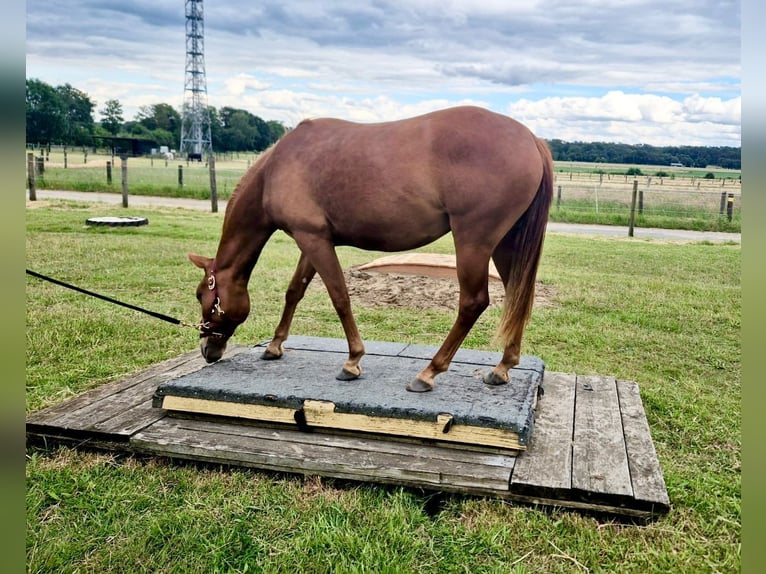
x=161, y=316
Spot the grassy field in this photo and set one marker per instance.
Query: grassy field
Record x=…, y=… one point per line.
x=666, y=315
x=590, y=193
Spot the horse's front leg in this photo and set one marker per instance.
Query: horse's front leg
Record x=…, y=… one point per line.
x=303, y=275
x=321, y=254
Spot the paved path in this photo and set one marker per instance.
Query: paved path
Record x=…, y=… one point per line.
x=574, y=228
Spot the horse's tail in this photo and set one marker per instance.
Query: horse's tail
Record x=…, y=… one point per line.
x=524, y=243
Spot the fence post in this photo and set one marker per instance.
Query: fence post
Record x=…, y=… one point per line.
x=40, y=163
x=109, y=173
x=730, y=206
x=180, y=175
x=558, y=199
x=213, y=187
x=633, y=208
x=65, y=159
x=641, y=202
x=124, y=167
x=723, y=203
x=31, y=176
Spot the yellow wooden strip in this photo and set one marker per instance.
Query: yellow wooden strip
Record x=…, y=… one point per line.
x=227, y=409
x=322, y=414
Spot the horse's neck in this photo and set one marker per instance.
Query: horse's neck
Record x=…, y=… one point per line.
x=244, y=236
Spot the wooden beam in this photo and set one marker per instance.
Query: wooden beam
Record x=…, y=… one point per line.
x=599, y=455
x=551, y=443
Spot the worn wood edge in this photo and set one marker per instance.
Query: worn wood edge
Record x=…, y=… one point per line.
x=375, y=443
x=301, y=453
x=644, y=513
x=227, y=409
x=66, y=419
x=645, y=471
x=322, y=414
x=88, y=397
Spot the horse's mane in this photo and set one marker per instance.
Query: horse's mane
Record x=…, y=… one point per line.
x=253, y=172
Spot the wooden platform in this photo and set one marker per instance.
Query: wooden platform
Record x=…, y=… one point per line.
x=591, y=448
x=303, y=391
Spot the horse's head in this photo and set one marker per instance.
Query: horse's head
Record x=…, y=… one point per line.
x=224, y=307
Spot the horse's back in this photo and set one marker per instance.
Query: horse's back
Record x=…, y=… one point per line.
x=398, y=185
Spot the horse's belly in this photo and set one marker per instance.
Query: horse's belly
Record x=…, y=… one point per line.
x=380, y=232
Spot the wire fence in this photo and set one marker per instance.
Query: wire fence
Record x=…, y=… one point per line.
x=658, y=199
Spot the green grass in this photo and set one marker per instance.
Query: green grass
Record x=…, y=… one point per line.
x=668, y=216
x=666, y=315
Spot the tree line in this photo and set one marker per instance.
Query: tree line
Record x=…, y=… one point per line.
x=688, y=156
x=63, y=115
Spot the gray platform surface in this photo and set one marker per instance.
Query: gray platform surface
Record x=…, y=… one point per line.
x=308, y=368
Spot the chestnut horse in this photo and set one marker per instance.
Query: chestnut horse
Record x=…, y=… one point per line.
x=389, y=186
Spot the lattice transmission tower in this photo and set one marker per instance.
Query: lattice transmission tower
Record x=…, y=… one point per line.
x=195, y=118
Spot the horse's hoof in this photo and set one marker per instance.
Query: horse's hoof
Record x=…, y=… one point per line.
x=269, y=356
x=346, y=375
x=493, y=379
x=418, y=386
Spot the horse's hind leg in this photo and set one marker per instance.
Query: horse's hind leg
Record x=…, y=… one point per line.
x=473, y=275
x=303, y=275
x=512, y=351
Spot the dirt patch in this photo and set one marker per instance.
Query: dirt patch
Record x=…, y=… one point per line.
x=373, y=289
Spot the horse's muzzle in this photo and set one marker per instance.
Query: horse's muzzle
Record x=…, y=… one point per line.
x=212, y=348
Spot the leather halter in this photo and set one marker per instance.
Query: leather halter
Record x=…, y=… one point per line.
x=207, y=329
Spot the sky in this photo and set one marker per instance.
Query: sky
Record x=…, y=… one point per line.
x=629, y=71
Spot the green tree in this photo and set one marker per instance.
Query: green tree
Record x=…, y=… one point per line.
x=111, y=116
x=276, y=130
x=45, y=113
x=78, y=115
x=242, y=131
x=161, y=117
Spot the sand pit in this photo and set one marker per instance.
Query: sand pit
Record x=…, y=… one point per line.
x=420, y=281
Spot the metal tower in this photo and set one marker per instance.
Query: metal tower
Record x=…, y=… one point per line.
x=195, y=119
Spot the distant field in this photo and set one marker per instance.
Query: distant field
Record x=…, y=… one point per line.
x=682, y=198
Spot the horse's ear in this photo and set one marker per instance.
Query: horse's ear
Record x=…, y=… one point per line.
x=200, y=261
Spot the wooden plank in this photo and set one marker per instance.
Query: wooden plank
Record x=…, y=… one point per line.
x=276, y=414
x=645, y=473
x=599, y=456
x=322, y=414
x=598, y=507
x=546, y=466
x=317, y=453
x=51, y=415
x=118, y=405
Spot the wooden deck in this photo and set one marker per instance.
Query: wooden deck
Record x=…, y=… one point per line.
x=591, y=448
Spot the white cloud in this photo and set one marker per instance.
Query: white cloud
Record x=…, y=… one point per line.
x=633, y=118
x=241, y=83
x=615, y=70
